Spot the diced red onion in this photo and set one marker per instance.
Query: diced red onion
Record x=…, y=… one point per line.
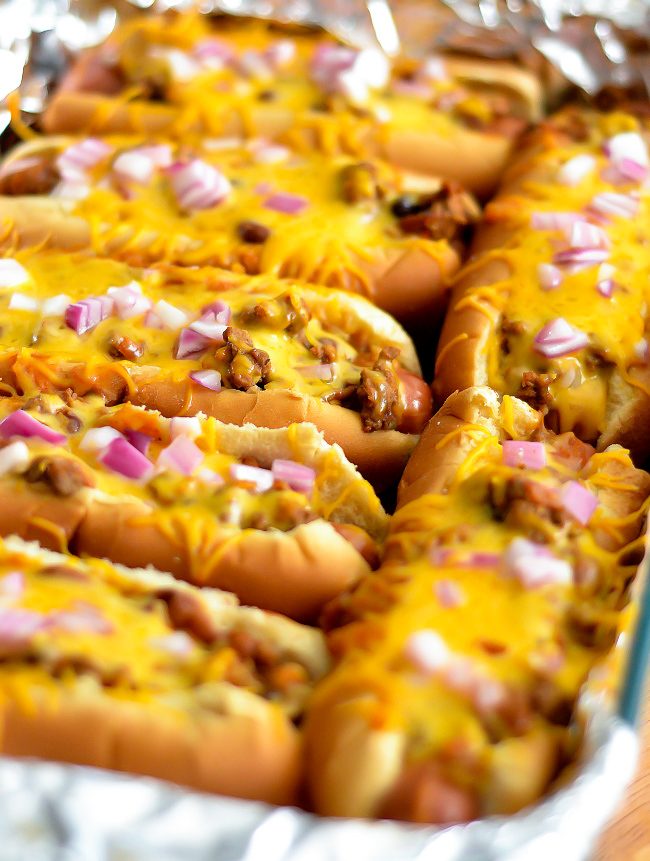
x=128, y=300
x=198, y=185
x=253, y=64
x=20, y=423
x=582, y=234
x=631, y=169
x=576, y=169
x=628, y=146
x=74, y=162
x=138, y=440
x=530, y=455
x=12, y=274
x=611, y=203
x=170, y=316
x=298, y=476
x=98, y=439
x=554, y=220
x=153, y=321
x=208, y=379
x=181, y=455
x=190, y=344
x=641, y=350
x=159, y=154
x=326, y=371
x=179, y=644
x=606, y=287
x=221, y=311
x=81, y=619
x=550, y=277
x=85, y=315
x=481, y=559
x=261, y=479
x=268, y=153
x=209, y=476
x=122, y=457
x=289, y=204
x=21, y=302
x=209, y=329
x=427, y=651
x=14, y=458
x=534, y=565
x=213, y=52
x=12, y=585
x=411, y=88
x=134, y=166
x=577, y=501
x=189, y=426
x=18, y=626
x=559, y=338
x=449, y=594
x=55, y=306
x=263, y=188
x=280, y=53
x=433, y=69
x=582, y=256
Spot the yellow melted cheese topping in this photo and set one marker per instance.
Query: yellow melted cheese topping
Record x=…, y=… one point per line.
x=511, y=650
x=331, y=240
x=202, y=511
x=88, y=622
x=161, y=53
x=580, y=383
x=40, y=352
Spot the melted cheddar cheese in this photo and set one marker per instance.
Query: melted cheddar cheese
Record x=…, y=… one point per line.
x=210, y=71
x=332, y=239
x=40, y=351
x=451, y=646
x=68, y=623
x=202, y=509
x=583, y=386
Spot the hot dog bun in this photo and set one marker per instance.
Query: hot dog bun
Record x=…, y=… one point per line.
x=342, y=231
x=420, y=116
x=520, y=281
x=134, y=671
x=211, y=528
x=299, y=327
x=460, y=660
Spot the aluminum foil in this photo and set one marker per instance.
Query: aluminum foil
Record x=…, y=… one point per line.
x=52, y=812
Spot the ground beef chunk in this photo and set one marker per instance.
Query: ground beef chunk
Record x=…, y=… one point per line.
x=246, y=366
x=442, y=215
x=326, y=350
x=36, y=175
x=378, y=393
x=535, y=390
x=64, y=475
x=523, y=503
x=253, y=232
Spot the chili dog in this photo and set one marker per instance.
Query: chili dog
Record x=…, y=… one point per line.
x=279, y=352
x=359, y=225
x=552, y=307
x=184, y=75
x=460, y=661
x=133, y=671
x=215, y=504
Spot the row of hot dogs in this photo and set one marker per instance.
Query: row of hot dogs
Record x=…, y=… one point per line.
x=202, y=373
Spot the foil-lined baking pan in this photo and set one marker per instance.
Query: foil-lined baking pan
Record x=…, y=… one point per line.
x=51, y=811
